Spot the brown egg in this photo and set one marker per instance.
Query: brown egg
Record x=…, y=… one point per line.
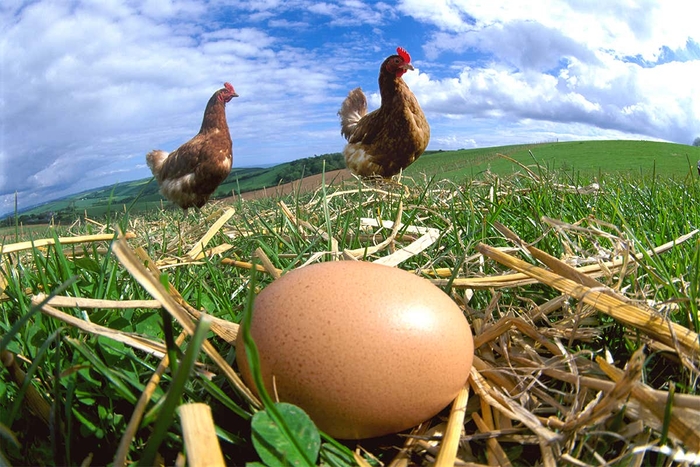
x=365, y=349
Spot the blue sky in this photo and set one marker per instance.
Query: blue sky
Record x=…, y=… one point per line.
x=89, y=87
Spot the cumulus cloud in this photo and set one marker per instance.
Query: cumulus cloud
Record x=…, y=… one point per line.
x=566, y=62
x=95, y=84
x=628, y=28
x=89, y=87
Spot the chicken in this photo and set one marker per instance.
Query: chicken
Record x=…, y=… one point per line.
x=189, y=175
x=391, y=138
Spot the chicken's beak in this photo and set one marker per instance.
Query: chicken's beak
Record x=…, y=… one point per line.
x=407, y=66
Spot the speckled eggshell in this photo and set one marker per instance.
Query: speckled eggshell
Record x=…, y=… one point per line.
x=365, y=349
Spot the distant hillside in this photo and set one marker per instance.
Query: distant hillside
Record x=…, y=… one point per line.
x=255, y=179
x=145, y=195
x=585, y=158
x=581, y=158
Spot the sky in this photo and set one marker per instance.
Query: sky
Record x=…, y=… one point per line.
x=87, y=88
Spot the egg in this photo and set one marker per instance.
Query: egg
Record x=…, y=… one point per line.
x=365, y=349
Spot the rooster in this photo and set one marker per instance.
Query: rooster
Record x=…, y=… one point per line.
x=190, y=174
x=391, y=138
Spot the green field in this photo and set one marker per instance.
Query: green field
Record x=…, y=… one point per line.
x=580, y=159
x=142, y=195
x=584, y=307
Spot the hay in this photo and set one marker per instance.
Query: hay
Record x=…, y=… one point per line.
x=201, y=443
x=529, y=385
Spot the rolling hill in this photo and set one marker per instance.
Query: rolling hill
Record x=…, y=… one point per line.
x=586, y=159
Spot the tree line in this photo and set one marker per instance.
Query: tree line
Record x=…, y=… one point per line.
x=310, y=166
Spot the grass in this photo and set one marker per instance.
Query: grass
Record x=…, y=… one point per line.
x=543, y=355
x=580, y=158
x=587, y=158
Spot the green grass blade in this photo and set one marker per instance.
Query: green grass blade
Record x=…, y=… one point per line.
x=116, y=379
x=294, y=443
x=174, y=395
x=38, y=359
x=217, y=393
x=22, y=321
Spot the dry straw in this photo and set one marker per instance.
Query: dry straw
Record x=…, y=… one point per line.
x=528, y=386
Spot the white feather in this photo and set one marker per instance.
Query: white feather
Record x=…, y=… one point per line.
x=356, y=158
x=179, y=188
x=155, y=160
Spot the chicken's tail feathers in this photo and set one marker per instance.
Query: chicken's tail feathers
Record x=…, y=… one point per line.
x=155, y=159
x=353, y=109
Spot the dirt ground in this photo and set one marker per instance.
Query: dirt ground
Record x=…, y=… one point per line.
x=304, y=185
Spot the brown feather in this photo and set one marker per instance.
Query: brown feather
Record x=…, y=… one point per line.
x=389, y=139
x=189, y=175
x=354, y=107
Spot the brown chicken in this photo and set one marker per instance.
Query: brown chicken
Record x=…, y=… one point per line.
x=190, y=174
x=392, y=137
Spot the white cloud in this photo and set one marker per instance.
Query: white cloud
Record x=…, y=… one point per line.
x=95, y=84
x=628, y=28
x=558, y=61
x=90, y=86
x=661, y=102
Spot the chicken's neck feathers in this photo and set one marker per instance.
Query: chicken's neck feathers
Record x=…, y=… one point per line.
x=214, y=116
x=390, y=86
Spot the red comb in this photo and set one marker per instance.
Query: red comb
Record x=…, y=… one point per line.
x=228, y=86
x=403, y=54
